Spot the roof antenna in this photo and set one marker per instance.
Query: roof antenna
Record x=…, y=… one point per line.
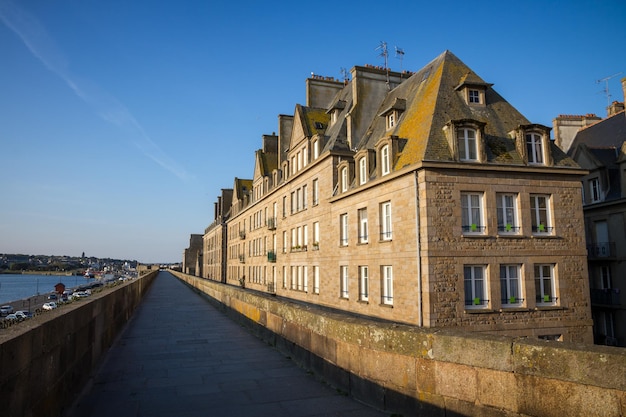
x=400, y=55
x=344, y=73
x=606, y=88
x=385, y=54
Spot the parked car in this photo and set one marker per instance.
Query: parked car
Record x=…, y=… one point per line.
x=23, y=315
x=11, y=317
x=52, y=297
x=49, y=306
x=6, y=310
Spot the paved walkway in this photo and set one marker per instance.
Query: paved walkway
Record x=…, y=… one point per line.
x=179, y=356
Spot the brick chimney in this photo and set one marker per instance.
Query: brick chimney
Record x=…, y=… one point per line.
x=566, y=126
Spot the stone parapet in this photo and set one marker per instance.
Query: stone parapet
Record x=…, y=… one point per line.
x=46, y=361
x=403, y=368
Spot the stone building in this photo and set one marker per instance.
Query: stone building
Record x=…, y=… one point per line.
x=214, y=239
x=601, y=149
x=192, y=256
x=422, y=198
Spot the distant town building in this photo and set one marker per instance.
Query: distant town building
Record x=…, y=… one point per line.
x=192, y=256
x=423, y=198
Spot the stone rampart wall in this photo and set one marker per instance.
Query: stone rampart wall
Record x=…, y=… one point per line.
x=405, y=369
x=46, y=361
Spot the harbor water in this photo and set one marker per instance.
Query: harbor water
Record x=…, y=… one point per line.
x=20, y=286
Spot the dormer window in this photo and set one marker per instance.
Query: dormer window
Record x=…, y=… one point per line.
x=391, y=111
x=363, y=171
x=335, y=110
x=473, y=96
x=391, y=120
x=534, y=148
x=473, y=89
x=465, y=138
x=384, y=160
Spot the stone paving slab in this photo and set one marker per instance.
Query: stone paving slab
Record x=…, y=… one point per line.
x=179, y=356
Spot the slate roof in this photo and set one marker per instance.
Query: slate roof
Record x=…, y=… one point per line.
x=432, y=100
x=609, y=132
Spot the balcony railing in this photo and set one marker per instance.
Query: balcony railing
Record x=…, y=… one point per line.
x=473, y=228
x=271, y=288
x=608, y=297
x=601, y=250
x=242, y=234
x=542, y=229
x=242, y=259
x=271, y=223
x=271, y=256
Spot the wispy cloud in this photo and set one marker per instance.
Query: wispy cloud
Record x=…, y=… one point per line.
x=35, y=37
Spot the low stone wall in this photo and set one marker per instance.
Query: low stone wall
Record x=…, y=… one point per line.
x=416, y=371
x=46, y=361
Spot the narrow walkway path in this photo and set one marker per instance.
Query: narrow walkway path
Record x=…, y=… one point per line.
x=179, y=356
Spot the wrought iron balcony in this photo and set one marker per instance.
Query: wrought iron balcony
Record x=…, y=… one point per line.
x=242, y=234
x=271, y=223
x=607, y=297
x=271, y=256
x=601, y=250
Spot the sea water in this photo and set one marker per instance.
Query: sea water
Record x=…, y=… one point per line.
x=19, y=286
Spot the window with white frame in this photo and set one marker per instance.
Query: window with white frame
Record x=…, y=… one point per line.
x=385, y=221
x=316, y=149
x=294, y=277
x=344, y=179
x=467, y=144
x=391, y=120
x=363, y=283
x=510, y=285
x=305, y=196
x=472, y=213
x=362, y=171
x=343, y=285
x=284, y=241
x=473, y=96
x=305, y=157
x=316, y=235
x=540, y=214
x=594, y=185
x=343, y=230
x=305, y=236
x=475, y=285
x=545, y=290
x=316, y=192
x=387, y=284
x=305, y=278
x=284, y=276
x=316, y=279
x=534, y=148
x=384, y=160
x=363, y=229
x=506, y=205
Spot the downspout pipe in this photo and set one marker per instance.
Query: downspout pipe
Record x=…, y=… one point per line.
x=420, y=316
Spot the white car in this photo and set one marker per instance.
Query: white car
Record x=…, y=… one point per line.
x=49, y=306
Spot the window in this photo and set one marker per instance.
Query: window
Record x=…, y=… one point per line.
x=544, y=285
x=343, y=230
x=363, y=230
x=594, y=185
x=316, y=235
x=363, y=283
x=305, y=197
x=540, y=214
x=362, y=171
x=466, y=139
x=284, y=277
x=316, y=279
x=474, y=96
x=344, y=281
x=305, y=278
x=387, y=284
x=316, y=149
x=384, y=159
x=471, y=213
x=385, y=221
x=506, y=205
x=475, y=286
x=285, y=241
x=344, y=179
x=391, y=120
x=305, y=157
x=534, y=148
x=510, y=285
x=315, y=192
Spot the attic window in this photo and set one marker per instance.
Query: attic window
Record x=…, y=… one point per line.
x=391, y=120
x=473, y=96
x=319, y=125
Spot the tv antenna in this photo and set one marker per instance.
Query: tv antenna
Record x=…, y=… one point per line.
x=400, y=55
x=383, y=52
x=606, y=87
x=344, y=73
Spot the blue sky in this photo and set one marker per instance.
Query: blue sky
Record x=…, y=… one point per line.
x=121, y=121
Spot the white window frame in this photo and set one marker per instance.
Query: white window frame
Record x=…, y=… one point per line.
x=387, y=284
x=391, y=120
x=545, y=288
x=535, y=148
x=362, y=171
x=467, y=142
x=384, y=160
x=541, y=214
x=316, y=149
x=594, y=188
x=386, y=225
x=506, y=206
x=305, y=278
x=511, y=285
x=316, y=195
x=343, y=284
x=363, y=228
x=344, y=179
x=316, y=279
x=316, y=235
x=363, y=283
x=475, y=286
x=472, y=215
x=343, y=229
